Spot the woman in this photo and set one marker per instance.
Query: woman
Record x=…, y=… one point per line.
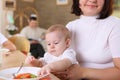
x=96, y=39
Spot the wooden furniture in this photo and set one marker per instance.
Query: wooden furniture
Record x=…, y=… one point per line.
x=14, y=59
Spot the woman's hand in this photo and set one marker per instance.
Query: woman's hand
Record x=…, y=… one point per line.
x=75, y=72
x=45, y=70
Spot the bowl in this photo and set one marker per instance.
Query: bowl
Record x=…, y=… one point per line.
x=6, y=74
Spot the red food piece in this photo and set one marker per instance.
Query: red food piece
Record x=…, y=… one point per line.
x=22, y=76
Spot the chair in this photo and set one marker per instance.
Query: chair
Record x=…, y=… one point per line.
x=21, y=43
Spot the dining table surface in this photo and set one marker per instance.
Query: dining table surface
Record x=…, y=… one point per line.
x=14, y=59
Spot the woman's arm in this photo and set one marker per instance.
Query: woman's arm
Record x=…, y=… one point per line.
x=77, y=72
x=9, y=45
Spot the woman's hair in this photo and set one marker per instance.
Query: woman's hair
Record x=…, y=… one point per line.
x=105, y=12
x=59, y=28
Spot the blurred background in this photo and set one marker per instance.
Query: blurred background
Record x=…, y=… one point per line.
x=49, y=12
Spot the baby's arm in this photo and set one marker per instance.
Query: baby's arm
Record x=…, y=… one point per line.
x=55, y=66
x=60, y=65
x=33, y=61
x=68, y=58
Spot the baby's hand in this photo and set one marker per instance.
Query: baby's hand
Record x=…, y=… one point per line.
x=30, y=60
x=44, y=70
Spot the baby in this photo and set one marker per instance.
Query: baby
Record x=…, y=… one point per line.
x=59, y=56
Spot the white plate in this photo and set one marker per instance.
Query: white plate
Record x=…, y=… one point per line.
x=7, y=73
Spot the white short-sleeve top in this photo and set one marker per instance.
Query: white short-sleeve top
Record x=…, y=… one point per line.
x=68, y=53
x=95, y=41
x=2, y=39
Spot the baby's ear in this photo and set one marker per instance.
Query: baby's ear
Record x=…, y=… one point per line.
x=68, y=42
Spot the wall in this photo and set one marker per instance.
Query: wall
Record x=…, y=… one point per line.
x=49, y=13
x=22, y=13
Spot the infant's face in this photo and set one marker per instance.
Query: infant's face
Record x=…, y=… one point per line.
x=56, y=43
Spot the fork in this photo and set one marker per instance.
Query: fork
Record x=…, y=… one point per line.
x=14, y=74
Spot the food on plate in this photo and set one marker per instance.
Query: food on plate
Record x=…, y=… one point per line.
x=29, y=75
x=25, y=75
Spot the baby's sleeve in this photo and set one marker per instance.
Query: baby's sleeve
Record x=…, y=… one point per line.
x=71, y=55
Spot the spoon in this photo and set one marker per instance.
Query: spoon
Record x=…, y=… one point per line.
x=14, y=74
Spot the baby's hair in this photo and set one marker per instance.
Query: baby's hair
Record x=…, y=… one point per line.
x=61, y=28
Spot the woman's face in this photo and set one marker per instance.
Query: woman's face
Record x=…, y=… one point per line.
x=91, y=7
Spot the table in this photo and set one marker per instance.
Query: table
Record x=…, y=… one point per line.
x=14, y=60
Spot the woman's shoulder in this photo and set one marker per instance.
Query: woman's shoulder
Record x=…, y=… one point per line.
x=72, y=23
x=113, y=19
x=112, y=22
